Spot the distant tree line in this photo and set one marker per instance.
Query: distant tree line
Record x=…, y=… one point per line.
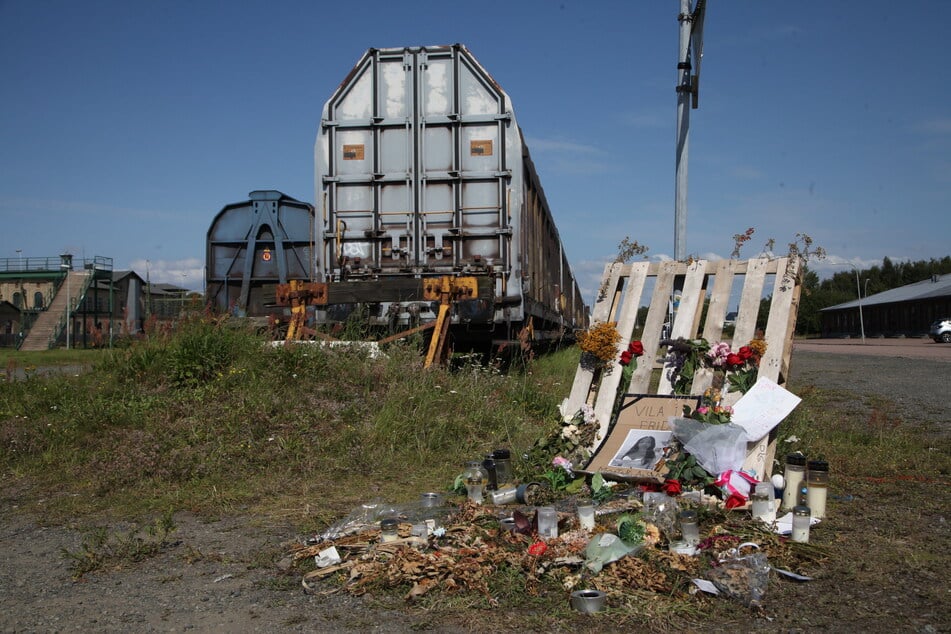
x=841, y=287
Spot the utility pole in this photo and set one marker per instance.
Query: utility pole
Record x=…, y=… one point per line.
x=691, y=51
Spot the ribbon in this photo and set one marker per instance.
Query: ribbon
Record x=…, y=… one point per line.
x=736, y=483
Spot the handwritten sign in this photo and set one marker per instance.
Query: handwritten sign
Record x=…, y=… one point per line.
x=763, y=407
x=637, y=442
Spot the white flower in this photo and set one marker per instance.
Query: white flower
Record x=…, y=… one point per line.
x=792, y=439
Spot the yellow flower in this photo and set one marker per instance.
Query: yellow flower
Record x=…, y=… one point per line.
x=600, y=340
x=758, y=346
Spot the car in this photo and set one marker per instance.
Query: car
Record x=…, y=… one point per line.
x=729, y=320
x=941, y=330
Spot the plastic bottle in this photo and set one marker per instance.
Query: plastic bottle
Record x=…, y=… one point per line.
x=817, y=481
x=794, y=474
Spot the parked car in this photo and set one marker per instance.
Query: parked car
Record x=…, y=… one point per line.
x=941, y=330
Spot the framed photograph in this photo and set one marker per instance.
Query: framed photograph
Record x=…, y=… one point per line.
x=640, y=440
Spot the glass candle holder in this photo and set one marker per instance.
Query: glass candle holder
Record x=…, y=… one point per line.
x=800, y=524
x=475, y=479
x=689, y=528
x=817, y=481
x=547, y=522
x=430, y=499
x=503, y=466
x=794, y=474
x=490, y=469
x=586, y=515
x=762, y=505
x=503, y=495
x=389, y=530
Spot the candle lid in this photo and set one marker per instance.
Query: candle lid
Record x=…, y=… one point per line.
x=796, y=459
x=818, y=465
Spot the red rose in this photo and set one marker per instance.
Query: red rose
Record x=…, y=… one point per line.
x=538, y=548
x=734, y=501
x=671, y=487
x=745, y=352
x=636, y=348
x=733, y=360
x=625, y=357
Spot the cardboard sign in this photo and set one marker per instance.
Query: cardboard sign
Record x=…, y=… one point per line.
x=638, y=443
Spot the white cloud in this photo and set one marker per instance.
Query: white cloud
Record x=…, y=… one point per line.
x=937, y=125
x=188, y=273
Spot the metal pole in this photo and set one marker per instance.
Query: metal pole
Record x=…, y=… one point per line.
x=69, y=304
x=858, y=289
x=683, y=128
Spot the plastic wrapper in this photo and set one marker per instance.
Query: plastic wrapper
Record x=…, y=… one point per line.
x=742, y=576
x=717, y=448
x=661, y=510
x=605, y=548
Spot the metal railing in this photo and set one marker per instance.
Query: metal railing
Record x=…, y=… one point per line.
x=52, y=263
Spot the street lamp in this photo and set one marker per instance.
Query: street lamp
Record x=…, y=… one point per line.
x=184, y=292
x=20, y=259
x=66, y=266
x=858, y=291
x=866, y=287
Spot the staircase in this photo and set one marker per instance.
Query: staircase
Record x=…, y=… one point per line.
x=49, y=325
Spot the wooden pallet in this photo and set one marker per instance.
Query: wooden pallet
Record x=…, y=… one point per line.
x=620, y=296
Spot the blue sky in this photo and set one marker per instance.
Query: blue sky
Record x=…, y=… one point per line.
x=126, y=126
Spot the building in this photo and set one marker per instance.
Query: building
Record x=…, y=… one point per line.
x=904, y=311
x=48, y=302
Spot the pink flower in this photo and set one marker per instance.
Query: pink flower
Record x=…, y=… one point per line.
x=703, y=410
x=718, y=354
x=564, y=463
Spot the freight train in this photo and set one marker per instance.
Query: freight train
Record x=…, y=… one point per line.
x=422, y=172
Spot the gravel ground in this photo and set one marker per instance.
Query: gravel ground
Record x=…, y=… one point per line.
x=219, y=576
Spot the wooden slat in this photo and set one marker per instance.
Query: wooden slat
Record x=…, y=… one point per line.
x=780, y=328
x=611, y=380
x=749, y=301
x=603, y=308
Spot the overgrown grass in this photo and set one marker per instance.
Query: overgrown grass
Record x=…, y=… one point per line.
x=211, y=419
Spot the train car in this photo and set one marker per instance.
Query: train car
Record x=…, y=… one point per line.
x=421, y=170
x=252, y=247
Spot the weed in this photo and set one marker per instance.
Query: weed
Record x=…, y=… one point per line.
x=101, y=548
